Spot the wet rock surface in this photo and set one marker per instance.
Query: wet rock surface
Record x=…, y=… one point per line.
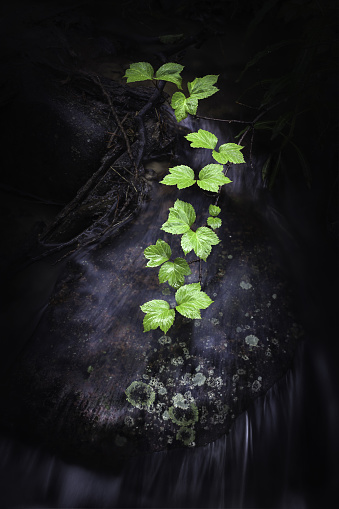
x=92, y=385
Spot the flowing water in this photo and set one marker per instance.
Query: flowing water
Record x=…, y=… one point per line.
x=280, y=453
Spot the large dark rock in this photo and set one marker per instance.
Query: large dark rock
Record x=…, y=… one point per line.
x=92, y=384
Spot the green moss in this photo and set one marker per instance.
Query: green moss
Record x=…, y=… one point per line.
x=140, y=395
x=184, y=416
x=186, y=435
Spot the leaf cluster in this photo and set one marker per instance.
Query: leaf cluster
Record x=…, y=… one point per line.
x=227, y=152
x=199, y=88
x=211, y=177
x=171, y=271
x=180, y=219
x=190, y=300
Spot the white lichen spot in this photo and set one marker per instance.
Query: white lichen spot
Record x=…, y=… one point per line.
x=245, y=286
x=256, y=386
x=189, y=397
x=197, y=323
x=211, y=371
x=274, y=296
x=186, y=379
x=165, y=340
x=251, y=340
x=215, y=294
x=198, y=379
x=238, y=329
x=165, y=415
x=268, y=352
x=275, y=341
x=260, y=378
x=214, y=321
x=230, y=257
x=129, y=421
x=235, y=378
x=179, y=401
x=241, y=371
x=162, y=391
x=177, y=361
x=214, y=382
x=146, y=377
x=204, y=415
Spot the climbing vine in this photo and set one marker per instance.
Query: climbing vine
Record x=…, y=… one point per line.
x=190, y=299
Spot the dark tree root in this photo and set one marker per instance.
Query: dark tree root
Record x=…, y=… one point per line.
x=112, y=196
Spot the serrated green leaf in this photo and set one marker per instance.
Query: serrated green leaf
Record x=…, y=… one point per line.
x=180, y=219
x=203, y=87
x=170, y=72
x=174, y=272
x=229, y=152
x=157, y=253
x=201, y=241
x=211, y=177
x=140, y=71
x=214, y=210
x=181, y=176
x=158, y=314
x=183, y=105
x=214, y=222
x=202, y=139
x=190, y=299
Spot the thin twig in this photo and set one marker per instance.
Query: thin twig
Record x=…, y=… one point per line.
x=139, y=118
x=222, y=120
x=115, y=115
x=109, y=144
x=194, y=261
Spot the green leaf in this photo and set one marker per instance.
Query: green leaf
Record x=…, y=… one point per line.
x=183, y=105
x=174, y=272
x=229, y=152
x=214, y=222
x=190, y=299
x=139, y=71
x=157, y=253
x=201, y=241
x=170, y=72
x=211, y=177
x=202, y=139
x=181, y=176
x=180, y=219
x=203, y=87
x=214, y=210
x=158, y=314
